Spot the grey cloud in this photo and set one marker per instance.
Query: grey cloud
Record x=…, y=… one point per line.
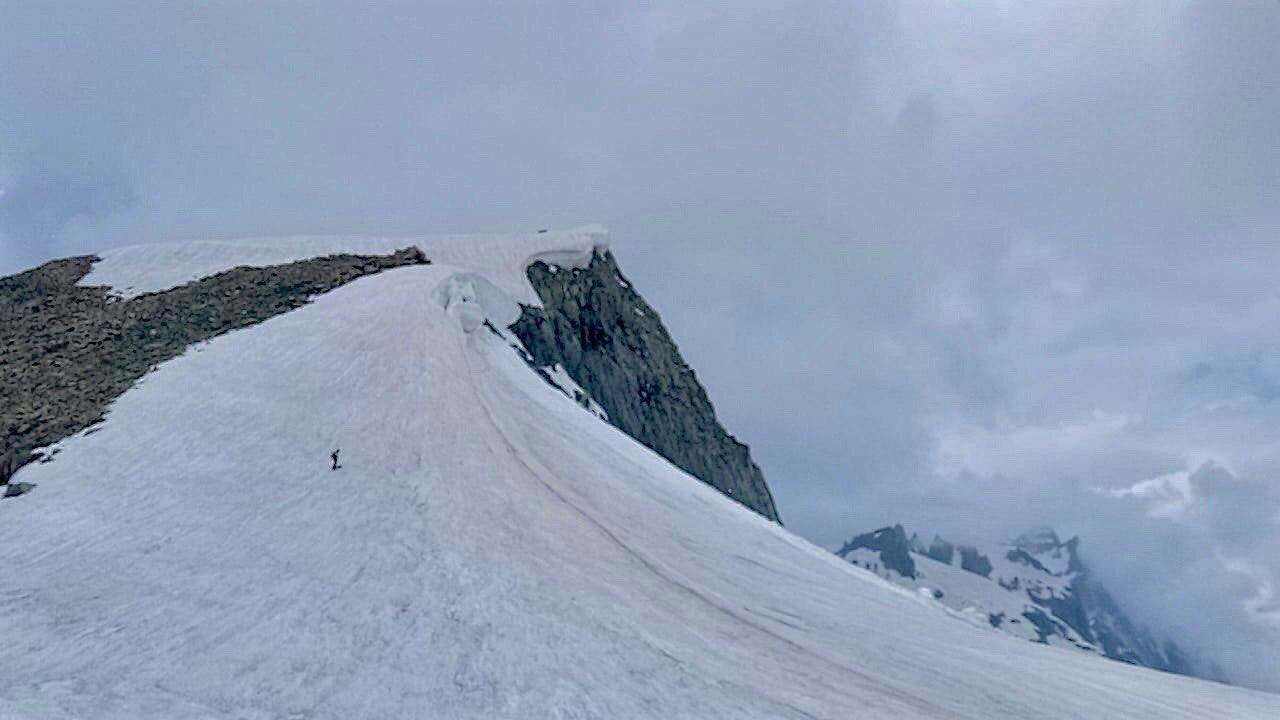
x=1242, y=515
x=35, y=211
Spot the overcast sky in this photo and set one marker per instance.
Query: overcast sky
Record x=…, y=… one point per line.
x=966, y=266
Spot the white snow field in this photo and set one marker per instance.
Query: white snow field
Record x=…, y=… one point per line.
x=489, y=549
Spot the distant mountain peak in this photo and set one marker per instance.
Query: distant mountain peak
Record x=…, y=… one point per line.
x=1034, y=586
x=892, y=546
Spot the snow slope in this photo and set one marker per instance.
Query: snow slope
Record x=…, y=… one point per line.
x=488, y=550
x=977, y=598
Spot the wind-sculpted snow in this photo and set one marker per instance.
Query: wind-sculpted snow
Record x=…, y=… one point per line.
x=488, y=550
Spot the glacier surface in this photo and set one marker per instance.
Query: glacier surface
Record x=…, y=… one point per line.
x=489, y=548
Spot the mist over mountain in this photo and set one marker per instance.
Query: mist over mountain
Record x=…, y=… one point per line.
x=1035, y=586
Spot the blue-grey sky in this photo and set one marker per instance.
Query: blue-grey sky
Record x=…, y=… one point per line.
x=971, y=266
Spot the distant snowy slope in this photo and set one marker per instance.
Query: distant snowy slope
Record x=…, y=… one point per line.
x=489, y=549
x=1035, y=587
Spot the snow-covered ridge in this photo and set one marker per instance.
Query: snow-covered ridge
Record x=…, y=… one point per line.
x=487, y=550
x=503, y=258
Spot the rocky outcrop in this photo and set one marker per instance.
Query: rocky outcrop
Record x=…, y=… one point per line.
x=15, y=489
x=9, y=464
x=1087, y=608
x=941, y=550
x=67, y=351
x=974, y=561
x=1044, y=540
x=1019, y=555
x=595, y=326
x=892, y=545
x=1122, y=639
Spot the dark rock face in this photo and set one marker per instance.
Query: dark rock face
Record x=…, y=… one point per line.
x=8, y=466
x=67, y=351
x=1019, y=555
x=1178, y=660
x=1089, y=610
x=1045, y=626
x=1069, y=608
x=1122, y=639
x=974, y=561
x=893, y=546
x=608, y=339
x=1072, y=546
x=16, y=489
x=941, y=550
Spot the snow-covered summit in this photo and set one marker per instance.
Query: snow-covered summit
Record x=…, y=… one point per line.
x=1034, y=587
x=488, y=549
x=502, y=258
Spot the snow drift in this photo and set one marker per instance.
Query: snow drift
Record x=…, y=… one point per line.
x=489, y=548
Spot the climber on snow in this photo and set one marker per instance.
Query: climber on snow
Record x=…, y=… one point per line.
x=334, y=457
